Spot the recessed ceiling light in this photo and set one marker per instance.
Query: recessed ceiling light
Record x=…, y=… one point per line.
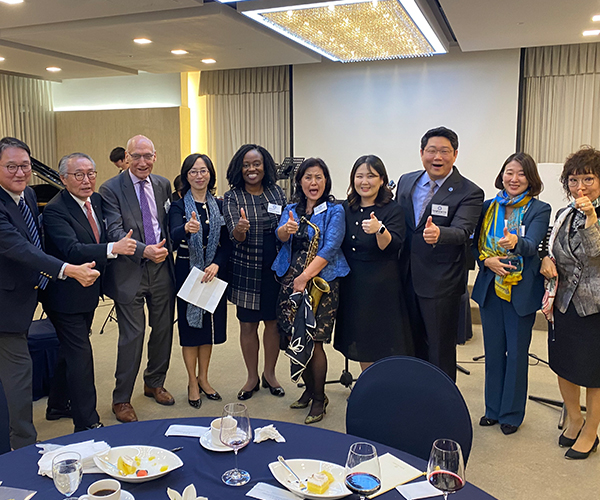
x=208, y=61
x=591, y=33
x=2, y=59
x=11, y=1
x=53, y=69
x=142, y=41
x=179, y=52
x=596, y=18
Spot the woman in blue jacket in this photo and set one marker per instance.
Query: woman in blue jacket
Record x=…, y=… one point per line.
x=314, y=203
x=509, y=288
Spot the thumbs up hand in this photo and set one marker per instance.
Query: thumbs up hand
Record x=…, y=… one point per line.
x=193, y=225
x=243, y=225
x=584, y=204
x=431, y=233
x=508, y=241
x=156, y=253
x=125, y=246
x=371, y=225
x=291, y=226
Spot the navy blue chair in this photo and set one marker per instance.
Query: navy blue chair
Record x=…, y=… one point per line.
x=4, y=424
x=408, y=403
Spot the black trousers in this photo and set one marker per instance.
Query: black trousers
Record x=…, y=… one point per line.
x=73, y=331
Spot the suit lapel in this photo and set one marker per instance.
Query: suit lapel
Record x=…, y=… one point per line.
x=77, y=213
x=95, y=201
x=452, y=184
x=15, y=214
x=408, y=192
x=160, y=208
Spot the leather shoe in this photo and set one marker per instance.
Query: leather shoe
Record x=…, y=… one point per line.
x=508, y=429
x=572, y=454
x=243, y=395
x=487, y=422
x=275, y=391
x=313, y=419
x=160, y=394
x=213, y=396
x=58, y=413
x=565, y=442
x=97, y=425
x=194, y=403
x=124, y=412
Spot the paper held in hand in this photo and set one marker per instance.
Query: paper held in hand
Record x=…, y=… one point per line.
x=204, y=295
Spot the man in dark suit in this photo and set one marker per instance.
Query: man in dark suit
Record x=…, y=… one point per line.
x=24, y=268
x=139, y=200
x=75, y=232
x=442, y=209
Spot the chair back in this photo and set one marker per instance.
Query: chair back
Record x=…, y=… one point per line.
x=408, y=403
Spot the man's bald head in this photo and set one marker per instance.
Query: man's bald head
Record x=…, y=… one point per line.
x=141, y=155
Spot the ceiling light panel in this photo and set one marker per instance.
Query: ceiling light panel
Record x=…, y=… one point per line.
x=591, y=33
x=353, y=31
x=11, y=1
x=142, y=41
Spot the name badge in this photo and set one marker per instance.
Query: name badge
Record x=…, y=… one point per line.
x=522, y=230
x=441, y=210
x=320, y=208
x=167, y=206
x=274, y=209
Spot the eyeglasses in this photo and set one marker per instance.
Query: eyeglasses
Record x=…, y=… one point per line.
x=586, y=181
x=201, y=172
x=81, y=175
x=137, y=157
x=442, y=152
x=12, y=169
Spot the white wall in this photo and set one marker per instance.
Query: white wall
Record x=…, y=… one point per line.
x=343, y=111
x=145, y=90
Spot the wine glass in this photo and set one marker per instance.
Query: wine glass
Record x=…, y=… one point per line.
x=362, y=470
x=446, y=469
x=235, y=433
x=67, y=472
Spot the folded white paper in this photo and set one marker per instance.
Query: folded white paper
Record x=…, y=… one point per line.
x=414, y=491
x=86, y=449
x=394, y=472
x=268, y=432
x=204, y=295
x=264, y=491
x=186, y=430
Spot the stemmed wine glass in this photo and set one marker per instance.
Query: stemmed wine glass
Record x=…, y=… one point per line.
x=235, y=433
x=446, y=469
x=362, y=470
x=67, y=472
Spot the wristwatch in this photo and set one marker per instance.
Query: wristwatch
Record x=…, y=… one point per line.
x=381, y=229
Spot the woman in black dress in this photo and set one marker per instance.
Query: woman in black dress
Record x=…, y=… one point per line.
x=372, y=321
x=200, y=237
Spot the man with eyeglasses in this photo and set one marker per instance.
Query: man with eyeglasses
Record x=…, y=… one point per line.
x=138, y=199
x=24, y=269
x=75, y=231
x=441, y=208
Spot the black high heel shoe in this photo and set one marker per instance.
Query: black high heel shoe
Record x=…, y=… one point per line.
x=565, y=442
x=243, y=395
x=572, y=454
x=276, y=391
x=195, y=403
x=215, y=396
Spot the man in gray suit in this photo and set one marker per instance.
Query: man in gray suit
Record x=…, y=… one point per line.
x=138, y=200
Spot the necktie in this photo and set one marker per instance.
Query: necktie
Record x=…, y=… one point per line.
x=150, y=239
x=90, y=218
x=33, y=232
x=430, y=193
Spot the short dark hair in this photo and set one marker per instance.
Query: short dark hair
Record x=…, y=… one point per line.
x=11, y=142
x=529, y=169
x=117, y=154
x=299, y=195
x=374, y=163
x=584, y=161
x=234, y=170
x=440, y=132
x=187, y=165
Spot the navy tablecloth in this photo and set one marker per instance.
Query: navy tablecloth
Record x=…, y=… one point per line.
x=202, y=467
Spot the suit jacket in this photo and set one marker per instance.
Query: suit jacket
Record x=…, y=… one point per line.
x=526, y=296
x=21, y=264
x=69, y=237
x=439, y=270
x=122, y=212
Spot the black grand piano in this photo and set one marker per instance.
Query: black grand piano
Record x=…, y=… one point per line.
x=52, y=183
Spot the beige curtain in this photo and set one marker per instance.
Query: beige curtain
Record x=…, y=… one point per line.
x=26, y=113
x=561, y=106
x=246, y=106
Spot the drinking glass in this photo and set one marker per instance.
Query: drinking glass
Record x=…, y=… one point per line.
x=446, y=469
x=236, y=437
x=362, y=470
x=67, y=472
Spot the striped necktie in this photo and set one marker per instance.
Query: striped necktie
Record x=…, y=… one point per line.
x=33, y=232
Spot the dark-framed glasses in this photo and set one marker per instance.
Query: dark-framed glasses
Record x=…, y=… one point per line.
x=586, y=181
x=138, y=157
x=12, y=169
x=79, y=176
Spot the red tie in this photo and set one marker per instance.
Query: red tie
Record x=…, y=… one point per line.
x=90, y=217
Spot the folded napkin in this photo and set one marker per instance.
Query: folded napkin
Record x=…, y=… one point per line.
x=415, y=491
x=186, y=430
x=269, y=432
x=86, y=449
x=188, y=494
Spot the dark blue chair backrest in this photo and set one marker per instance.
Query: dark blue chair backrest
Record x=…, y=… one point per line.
x=408, y=403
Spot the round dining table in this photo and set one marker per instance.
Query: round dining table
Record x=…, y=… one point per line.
x=202, y=467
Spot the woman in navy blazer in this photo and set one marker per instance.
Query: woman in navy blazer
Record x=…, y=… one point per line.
x=508, y=288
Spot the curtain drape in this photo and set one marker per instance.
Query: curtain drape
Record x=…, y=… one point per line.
x=26, y=113
x=561, y=105
x=246, y=106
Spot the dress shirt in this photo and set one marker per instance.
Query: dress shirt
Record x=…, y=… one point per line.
x=81, y=203
x=149, y=190
x=422, y=189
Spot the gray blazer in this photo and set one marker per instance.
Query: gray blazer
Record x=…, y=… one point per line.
x=578, y=266
x=122, y=213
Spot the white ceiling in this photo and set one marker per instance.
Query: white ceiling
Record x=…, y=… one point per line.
x=92, y=38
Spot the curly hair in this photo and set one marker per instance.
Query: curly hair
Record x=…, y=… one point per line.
x=584, y=161
x=234, y=170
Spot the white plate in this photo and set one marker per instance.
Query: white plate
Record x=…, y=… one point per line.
x=306, y=468
x=207, y=442
x=125, y=495
x=160, y=457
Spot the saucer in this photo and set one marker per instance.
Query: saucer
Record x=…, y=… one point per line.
x=125, y=495
x=207, y=442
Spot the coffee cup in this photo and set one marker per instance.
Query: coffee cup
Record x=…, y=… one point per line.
x=105, y=489
x=215, y=428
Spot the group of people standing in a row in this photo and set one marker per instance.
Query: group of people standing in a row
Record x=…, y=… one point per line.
x=391, y=271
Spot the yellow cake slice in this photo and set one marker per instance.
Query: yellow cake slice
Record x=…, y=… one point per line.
x=319, y=482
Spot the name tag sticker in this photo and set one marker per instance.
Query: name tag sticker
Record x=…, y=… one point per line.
x=441, y=210
x=321, y=208
x=167, y=206
x=522, y=230
x=274, y=209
